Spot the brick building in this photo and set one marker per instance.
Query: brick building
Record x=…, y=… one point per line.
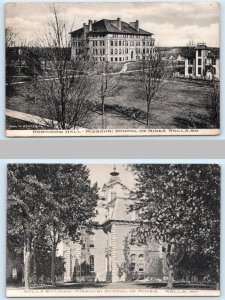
x=107, y=255
x=112, y=40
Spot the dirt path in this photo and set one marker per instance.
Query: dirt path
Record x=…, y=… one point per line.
x=28, y=117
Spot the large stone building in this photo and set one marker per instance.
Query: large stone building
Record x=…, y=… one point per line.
x=107, y=254
x=112, y=40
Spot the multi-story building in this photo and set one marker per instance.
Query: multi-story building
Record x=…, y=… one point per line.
x=112, y=40
x=203, y=62
x=107, y=255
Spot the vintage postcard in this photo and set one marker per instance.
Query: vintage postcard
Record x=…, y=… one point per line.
x=112, y=69
x=113, y=230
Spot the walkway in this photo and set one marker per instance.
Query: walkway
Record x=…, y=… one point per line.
x=29, y=118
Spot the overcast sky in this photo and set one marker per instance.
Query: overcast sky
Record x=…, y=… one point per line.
x=173, y=24
x=101, y=174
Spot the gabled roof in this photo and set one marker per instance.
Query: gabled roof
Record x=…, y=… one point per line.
x=112, y=181
x=109, y=26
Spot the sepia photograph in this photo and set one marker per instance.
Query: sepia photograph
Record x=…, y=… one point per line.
x=112, y=69
x=113, y=230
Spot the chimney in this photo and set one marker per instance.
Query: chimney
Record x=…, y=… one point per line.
x=89, y=25
x=137, y=25
x=119, y=23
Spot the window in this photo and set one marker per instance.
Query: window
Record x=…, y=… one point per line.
x=111, y=43
x=199, y=52
x=189, y=70
x=14, y=273
x=190, y=61
x=213, y=61
x=199, y=61
x=113, y=196
x=115, y=58
x=199, y=71
x=111, y=58
x=116, y=43
x=111, y=51
x=141, y=263
x=120, y=51
x=120, y=59
x=132, y=262
x=116, y=51
x=92, y=241
x=119, y=43
x=92, y=263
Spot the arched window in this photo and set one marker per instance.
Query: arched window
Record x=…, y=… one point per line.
x=141, y=263
x=92, y=263
x=132, y=262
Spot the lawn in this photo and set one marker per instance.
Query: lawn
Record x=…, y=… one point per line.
x=123, y=285
x=181, y=104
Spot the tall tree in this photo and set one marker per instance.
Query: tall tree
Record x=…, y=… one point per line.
x=72, y=205
x=180, y=207
x=106, y=84
x=25, y=194
x=48, y=201
x=65, y=86
x=153, y=75
x=11, y=56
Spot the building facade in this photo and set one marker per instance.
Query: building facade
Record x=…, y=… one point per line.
x=112, y=40
x=107, y=255
x=203, y=63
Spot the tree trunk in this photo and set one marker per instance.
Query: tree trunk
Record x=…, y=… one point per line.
x=103, y=113
x=217, y=277
x=53, y=265
x=34, y=268
x=170, y=277
x=27, y=259
x=148, y=109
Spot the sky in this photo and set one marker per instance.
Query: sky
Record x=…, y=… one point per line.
x=173, y=24
x=100, y=173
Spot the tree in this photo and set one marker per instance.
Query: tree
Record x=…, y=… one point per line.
x=72, y=205
x=189, y=50
x=65, y=86
x=179, y=206
x=153, y=75
x=106, y=84
x=48, y=203
x=11, y=55
x=24, y=216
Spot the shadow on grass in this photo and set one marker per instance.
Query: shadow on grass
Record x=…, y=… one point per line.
x=187, y=123
x=130, y=113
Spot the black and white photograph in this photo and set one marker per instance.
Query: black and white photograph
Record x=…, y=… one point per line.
x=112, y=69
x=113, y=230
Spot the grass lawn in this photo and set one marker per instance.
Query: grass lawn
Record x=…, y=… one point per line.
x=182, y=104
x=123, y=285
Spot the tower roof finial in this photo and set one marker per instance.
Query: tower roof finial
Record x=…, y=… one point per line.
x=114, y=173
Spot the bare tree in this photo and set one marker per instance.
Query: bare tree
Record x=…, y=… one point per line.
x=11, y=55
x=65, y=85
x=106, y=84
x=153, y=75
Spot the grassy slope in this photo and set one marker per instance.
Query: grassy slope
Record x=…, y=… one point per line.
x=181, y=105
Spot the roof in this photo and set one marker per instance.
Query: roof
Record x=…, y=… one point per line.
x=214, y=53
x=109, y=26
